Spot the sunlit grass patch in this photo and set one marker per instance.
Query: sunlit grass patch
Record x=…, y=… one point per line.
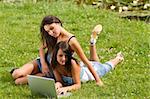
x=20, y=37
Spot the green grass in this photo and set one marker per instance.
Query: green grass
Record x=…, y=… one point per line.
x=19, y=43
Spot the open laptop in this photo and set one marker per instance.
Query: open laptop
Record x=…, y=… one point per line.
x=44, y=86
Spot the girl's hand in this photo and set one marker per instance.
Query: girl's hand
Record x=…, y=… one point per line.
x=62, y=90
x=45, y=69
x=58, y=85
x=100, y=83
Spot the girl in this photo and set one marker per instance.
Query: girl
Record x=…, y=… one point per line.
x=52, y=32
x=69, y=73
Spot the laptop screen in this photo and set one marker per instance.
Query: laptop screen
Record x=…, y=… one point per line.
x=42, y=86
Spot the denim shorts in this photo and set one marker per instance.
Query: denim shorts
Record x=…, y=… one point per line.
x=47, y=59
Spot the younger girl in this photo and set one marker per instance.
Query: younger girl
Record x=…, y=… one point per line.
x=69, y=73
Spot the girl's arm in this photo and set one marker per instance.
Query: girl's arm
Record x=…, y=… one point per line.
x=58, y=83
x=77, y=48
x=45, y=68
x=75, y=71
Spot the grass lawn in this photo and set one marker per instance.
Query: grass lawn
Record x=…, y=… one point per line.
x=20, y=37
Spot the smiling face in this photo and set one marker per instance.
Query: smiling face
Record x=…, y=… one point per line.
x=61, y=57
x=53, y=29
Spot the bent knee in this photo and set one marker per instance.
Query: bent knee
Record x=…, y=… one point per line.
x=20, y=82
x=17, y=73
x=17, y=82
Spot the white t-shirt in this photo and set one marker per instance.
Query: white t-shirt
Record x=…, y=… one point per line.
x=85, y=75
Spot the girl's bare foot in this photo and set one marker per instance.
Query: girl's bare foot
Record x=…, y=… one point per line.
x=120, y=56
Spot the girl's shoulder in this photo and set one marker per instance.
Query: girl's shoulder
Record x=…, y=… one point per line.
x=74, y=61
x=71, y=37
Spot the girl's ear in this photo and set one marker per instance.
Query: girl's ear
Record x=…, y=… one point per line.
x=59, y=24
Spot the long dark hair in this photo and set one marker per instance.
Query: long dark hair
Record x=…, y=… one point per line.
x=47, y=39
x=64, y=46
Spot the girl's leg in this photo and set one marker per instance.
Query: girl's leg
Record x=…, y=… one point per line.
x=24, y=70
x=21, y=80
x=24, y=80
x=21, y=73
x=119, y=58
x=93, y=54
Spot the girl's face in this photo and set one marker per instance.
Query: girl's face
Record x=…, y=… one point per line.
x=53, y=29
x=61, y=57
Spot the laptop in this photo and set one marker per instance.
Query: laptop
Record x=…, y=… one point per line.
x=44, y=86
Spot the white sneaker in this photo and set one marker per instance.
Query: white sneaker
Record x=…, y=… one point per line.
x=94, y=35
